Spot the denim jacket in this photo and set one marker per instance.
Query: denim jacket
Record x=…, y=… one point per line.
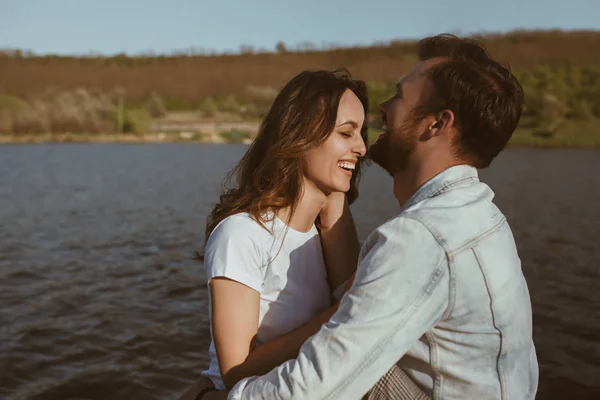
x=438, y=287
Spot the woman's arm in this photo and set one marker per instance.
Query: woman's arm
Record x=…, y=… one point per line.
x=339, y=240
x=235, y=313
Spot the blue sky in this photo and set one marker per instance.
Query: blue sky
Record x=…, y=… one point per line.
x=134, y=26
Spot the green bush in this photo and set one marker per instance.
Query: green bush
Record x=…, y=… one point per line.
x=75, y=111
x=378, y=93
x=555, y=93
x=137, y=121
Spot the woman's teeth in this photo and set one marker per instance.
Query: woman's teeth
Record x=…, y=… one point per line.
x=346, y=165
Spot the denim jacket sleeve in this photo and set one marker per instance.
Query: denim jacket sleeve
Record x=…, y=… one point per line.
x=401, y=290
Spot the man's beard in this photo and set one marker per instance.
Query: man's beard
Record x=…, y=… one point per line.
x=392, y=150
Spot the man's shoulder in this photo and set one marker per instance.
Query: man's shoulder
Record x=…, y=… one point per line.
x=404, y=242
x=410, y=222
x=402, y=230
x=459, y=215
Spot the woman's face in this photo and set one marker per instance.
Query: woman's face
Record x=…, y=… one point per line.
x=330, y=166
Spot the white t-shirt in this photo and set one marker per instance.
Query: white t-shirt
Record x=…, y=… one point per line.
x=286, y=267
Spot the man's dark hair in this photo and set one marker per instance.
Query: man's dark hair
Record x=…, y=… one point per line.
x=484, y=96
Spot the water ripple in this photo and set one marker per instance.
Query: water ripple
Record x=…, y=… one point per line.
x=100, y=297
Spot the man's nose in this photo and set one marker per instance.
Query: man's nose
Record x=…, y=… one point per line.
x=383, y=106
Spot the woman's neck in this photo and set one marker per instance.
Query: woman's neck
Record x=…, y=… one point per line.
x=308, y=208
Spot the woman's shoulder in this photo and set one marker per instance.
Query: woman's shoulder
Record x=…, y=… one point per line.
x=236, y=249
x=240, y=225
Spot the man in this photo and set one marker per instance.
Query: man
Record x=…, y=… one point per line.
x=439, y=287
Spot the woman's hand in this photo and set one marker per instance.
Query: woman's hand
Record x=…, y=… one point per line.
x=332, y=210
x=339, y=239
x=204, y=389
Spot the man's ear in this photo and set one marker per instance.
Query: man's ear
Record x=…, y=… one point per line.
x=443, y=123
x=439, y=125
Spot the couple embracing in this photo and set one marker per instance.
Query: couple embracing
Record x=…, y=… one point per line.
x=434, y=304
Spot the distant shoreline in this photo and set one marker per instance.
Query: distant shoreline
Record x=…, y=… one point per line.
x=572, y=135
x=38, y=138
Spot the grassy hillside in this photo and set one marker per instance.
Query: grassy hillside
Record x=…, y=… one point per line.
x=560, y=72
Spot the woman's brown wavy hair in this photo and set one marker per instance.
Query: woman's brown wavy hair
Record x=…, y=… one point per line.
x=268, y=177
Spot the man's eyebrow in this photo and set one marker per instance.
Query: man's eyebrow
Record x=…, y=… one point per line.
x=349, y=122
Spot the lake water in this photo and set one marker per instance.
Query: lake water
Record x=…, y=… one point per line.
x=100, y=298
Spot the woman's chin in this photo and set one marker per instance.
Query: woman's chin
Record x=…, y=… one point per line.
x=338, y=185
x=342, y=188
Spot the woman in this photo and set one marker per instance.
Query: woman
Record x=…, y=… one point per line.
x=269, y=285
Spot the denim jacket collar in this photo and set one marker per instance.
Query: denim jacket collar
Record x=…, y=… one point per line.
x=441, y=182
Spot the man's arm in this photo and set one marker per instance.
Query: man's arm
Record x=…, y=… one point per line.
x=339, y=240
x=401, y=291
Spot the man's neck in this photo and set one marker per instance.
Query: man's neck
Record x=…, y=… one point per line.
x=411, y=178
x=307, y=210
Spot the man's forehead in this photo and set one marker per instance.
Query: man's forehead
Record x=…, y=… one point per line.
x=417, y=73
x=425, y=65
x=408, y=80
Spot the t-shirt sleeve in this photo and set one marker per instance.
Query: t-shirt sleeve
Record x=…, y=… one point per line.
x=233, y=251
